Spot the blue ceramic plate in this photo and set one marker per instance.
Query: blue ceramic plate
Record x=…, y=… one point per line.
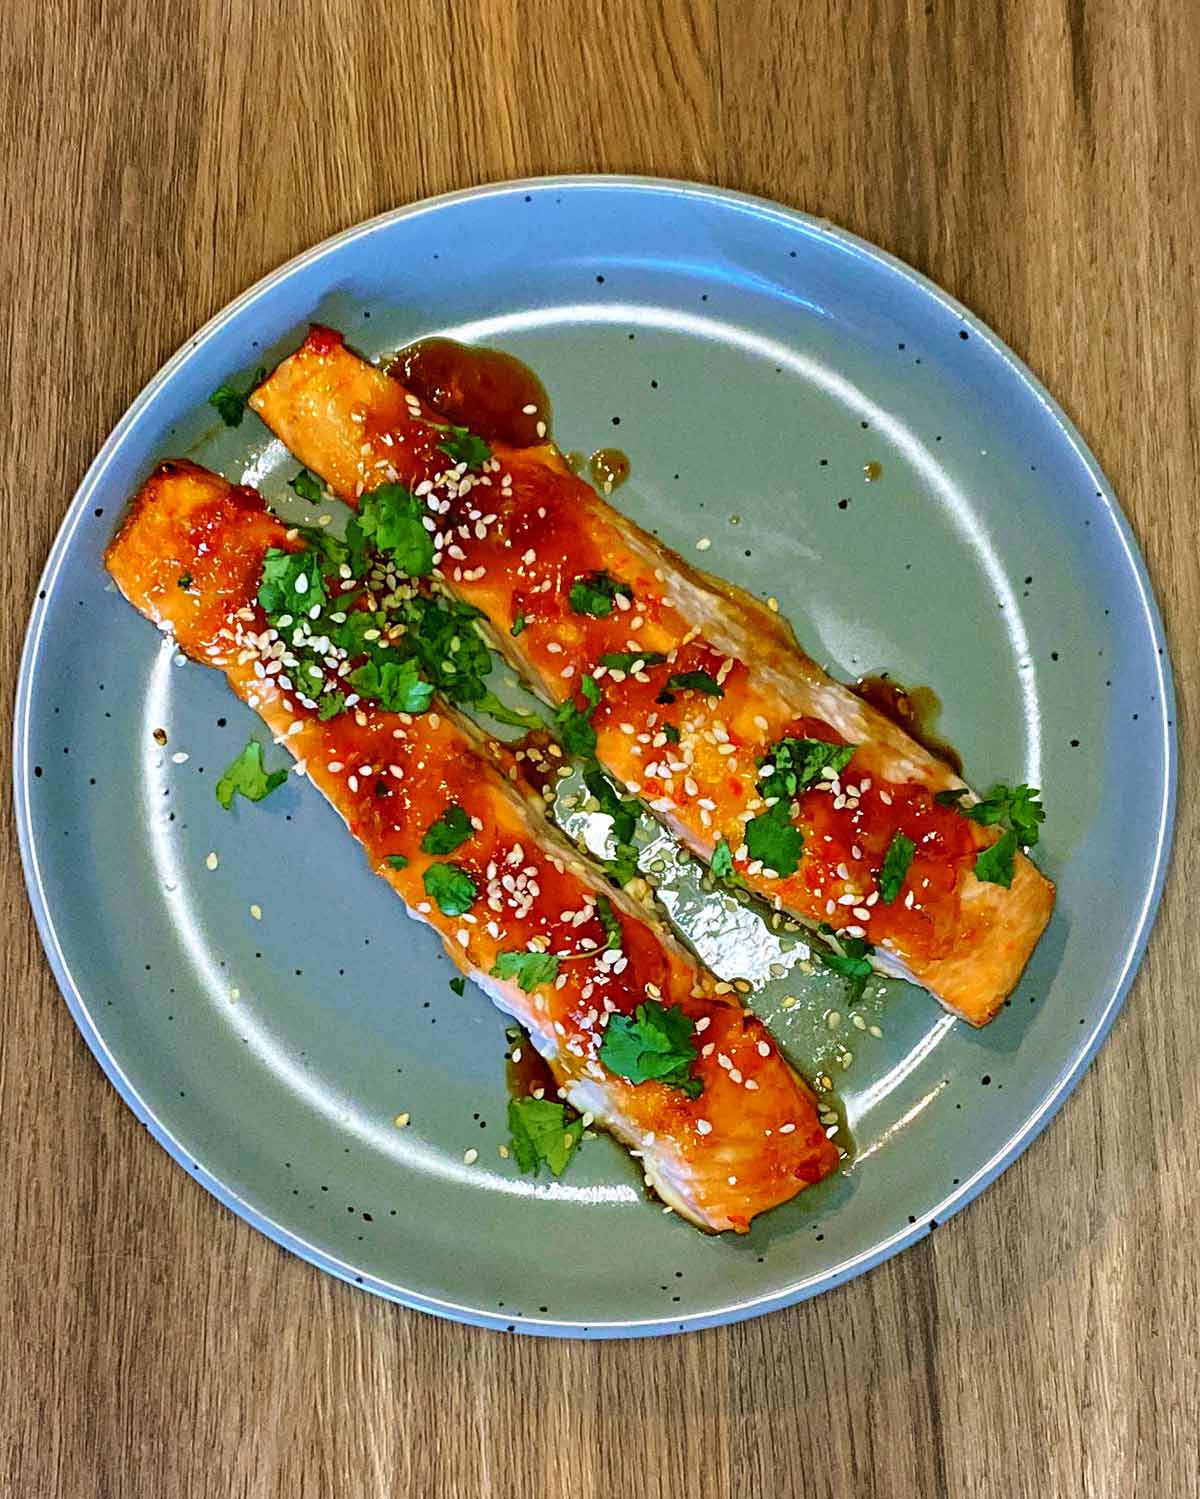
x=756, y=365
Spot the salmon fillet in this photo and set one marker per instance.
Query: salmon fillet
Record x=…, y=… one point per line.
x=190, y=556
x=515, y=539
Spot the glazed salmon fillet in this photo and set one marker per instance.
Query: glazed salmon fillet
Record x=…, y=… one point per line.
x=191, y=556
x=699, y=684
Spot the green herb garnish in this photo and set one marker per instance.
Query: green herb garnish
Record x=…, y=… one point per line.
x=291, y=584
x=230, y=403
x=184, y=581
x=517, y=626
x=330, y=704
x=574, y=725
x=529, y=969
x=997, y=862
x=307, y=486
x=396, y=686
x=247, y=776
x=613, y=939
x=851, y=962
x=451, y=887
x=721, y=863
x=772, y=838
x=392, y=519
x=594, y=594
x=397, y=861
x=654, y=1043
x=696, y=681
x=541, y=1134
x=895, y=866
x=450, y=831
x=796, y=764
x=458, y=984
x=671, y=732
x=462, y=446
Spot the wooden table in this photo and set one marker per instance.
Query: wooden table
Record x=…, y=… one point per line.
x=1039, y=159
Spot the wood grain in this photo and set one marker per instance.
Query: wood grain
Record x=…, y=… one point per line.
x=1039, y=159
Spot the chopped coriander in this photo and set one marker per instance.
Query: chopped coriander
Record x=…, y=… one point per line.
x=627, y=660
x=307, y=486
x=541, y=1134
x=851, y=961
x=721, y=863
x=574, y=725
x=951, y=798
x=613, y=938
x=247, y=776
x=330, y=705
x=184, y=581
x=528, y=969
x=772, y=838
x=654, y=1043
x=797, y=764
x=895, y=866
x=671, y=733
x=397, y=861
x=490, y=704
x=463, y=446
x=450, y=831
x=623, y=814
x=458, y=984
x=1017, y=808
x=392, y=518
x=396, y=687
x=996, y=863
x=696, y=681
x=291, y=583
x=230, y=403
x=451, y=887
x=517, y=626
x=594, y=594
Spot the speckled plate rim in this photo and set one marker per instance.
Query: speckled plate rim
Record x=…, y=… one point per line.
x=1017, y=1142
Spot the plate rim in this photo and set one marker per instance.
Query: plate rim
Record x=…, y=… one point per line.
x=1017, y=1142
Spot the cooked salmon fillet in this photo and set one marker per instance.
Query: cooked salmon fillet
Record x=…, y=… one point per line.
x=190, y=556
x=699, y=683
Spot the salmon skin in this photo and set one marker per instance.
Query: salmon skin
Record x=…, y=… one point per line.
x=699, y=684
x=190, y=556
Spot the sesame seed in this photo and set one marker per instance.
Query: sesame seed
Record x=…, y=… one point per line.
x=211, y=861
x=180, y=757
x=787, y=1129
x=703, y=544
x=764, y=1049
x=401, y=1121
x=703, y=1127
x=470, y=1157
x=256, y=912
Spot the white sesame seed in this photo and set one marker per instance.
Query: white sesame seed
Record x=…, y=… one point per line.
x=703, y=544
x=180, y=757
x=211, y=861
x=703, y=1127
x=470, y=1157
x=256, y=912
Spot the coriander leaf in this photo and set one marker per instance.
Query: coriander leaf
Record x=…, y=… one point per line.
x=797, y=764
x=307, y=486
x=396, y=687
x=451, y=887
x=696, y=681
x=623, y=866
x=541, y=1133
x=574, y=725
x=397, y=861
x=608, y=920
x=517, y=626
x=654, y=1043
x=529, y=969
x=1017, y=808
x=856, y=969
x=291, y=583
x=392, y=518
x=450, y=831
x=594, y=594
x=458, y=984
x=721, y=863
x=623, y=813
x=772, y=838
x=951, y=798
x=230, y=403
x=895, y=866
x=184, y=581
x=442, y=636
x=627, y=660
x=671, y=732
x=330, y=704
x=464, y=447
x=995, y=863
x=247, y=776
x=490, y=704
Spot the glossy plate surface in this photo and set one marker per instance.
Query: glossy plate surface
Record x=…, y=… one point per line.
x=756, y=365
